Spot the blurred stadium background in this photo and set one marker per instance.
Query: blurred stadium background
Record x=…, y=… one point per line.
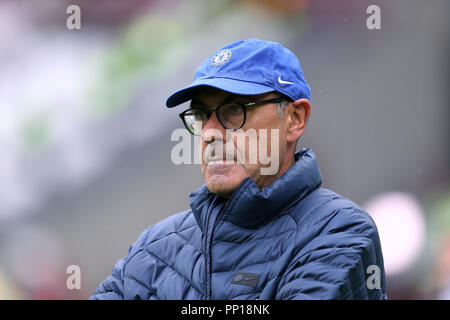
x=85, y=137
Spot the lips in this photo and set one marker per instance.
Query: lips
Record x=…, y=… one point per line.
x=221, y=160
x=219, y=154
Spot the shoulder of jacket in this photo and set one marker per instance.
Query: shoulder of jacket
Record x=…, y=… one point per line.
x=322, y=206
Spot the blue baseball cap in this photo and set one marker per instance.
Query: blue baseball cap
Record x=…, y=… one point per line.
x=248, y=67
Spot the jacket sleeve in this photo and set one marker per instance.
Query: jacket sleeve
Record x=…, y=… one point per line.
x=112, y=288
x=344, y=261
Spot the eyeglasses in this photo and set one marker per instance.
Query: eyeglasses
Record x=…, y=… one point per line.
x=230, y=115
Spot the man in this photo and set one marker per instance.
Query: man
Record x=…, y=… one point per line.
x=261, y=227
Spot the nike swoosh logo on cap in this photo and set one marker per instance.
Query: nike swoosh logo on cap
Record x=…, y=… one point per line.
x=284, y=82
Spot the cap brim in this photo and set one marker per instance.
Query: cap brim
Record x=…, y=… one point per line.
x=225, y=84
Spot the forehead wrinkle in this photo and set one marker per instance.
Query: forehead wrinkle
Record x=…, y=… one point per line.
x=203, y=99
x=229, y=97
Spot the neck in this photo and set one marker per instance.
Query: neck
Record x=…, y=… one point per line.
x=286, y=163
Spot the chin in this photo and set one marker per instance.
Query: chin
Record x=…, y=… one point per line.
x=221, y=192
x=223, y=183
x=222, y=188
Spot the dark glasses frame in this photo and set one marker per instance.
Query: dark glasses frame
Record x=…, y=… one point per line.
x=244, y=107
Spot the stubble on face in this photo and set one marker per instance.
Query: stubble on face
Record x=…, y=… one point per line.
x=223, y=175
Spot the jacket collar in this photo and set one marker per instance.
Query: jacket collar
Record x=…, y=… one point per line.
x=248, y=207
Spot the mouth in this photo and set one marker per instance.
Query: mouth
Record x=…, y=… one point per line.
x=221, y=161
x=219, y=155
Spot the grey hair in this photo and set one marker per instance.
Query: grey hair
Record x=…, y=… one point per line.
x=281, y=108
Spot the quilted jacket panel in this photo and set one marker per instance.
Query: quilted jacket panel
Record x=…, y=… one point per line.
x=296, y=239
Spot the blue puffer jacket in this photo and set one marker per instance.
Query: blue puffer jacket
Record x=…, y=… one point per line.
x=292, y=240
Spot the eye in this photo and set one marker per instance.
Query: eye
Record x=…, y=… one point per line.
x=233, y=109
x=195, y=119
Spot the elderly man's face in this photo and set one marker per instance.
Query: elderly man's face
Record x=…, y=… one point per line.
x=262, y=123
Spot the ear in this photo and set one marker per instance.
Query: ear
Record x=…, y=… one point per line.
x=297, y=115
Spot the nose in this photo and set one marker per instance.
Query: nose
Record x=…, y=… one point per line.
x=213, y=130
